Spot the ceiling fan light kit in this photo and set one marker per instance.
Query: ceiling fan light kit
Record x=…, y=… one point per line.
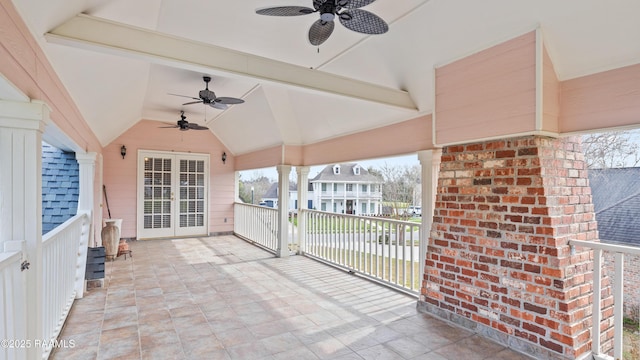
x=348, y=12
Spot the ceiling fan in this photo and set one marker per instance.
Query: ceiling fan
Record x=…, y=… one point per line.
x=208, y=97
x=184, y=125
x=347, y=11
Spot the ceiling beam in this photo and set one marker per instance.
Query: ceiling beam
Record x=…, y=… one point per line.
x=92, y=33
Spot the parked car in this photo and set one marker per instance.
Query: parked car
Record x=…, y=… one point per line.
x=415, y=210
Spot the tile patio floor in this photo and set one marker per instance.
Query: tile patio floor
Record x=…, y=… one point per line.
x=222, y=298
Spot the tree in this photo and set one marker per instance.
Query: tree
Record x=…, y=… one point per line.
x=260, y=184
x=401, y=185
x=612, y=149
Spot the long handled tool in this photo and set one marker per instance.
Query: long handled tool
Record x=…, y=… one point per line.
x=106, y=200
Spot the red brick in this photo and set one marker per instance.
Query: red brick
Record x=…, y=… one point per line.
x=548, y=323
x=490, y=278
x=534, y=328
x=475, y=147
x=535, y=308
x=509, y=301
x=532, y=268
x=511, y=264
x=505, y=154
x=524, y=181
x=551, y=345
x=525, y=335
x=528, y=151
x=520, y=209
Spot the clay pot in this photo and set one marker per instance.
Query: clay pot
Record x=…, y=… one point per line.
x=110, y=239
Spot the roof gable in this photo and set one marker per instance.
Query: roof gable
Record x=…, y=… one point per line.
x=347, y=174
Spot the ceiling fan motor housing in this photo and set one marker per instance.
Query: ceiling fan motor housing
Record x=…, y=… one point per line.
x=207, y=95
x=327, y=11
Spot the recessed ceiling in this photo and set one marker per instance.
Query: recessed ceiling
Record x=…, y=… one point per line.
x=114, y=88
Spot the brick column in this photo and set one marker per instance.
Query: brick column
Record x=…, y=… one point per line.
x=498, y=259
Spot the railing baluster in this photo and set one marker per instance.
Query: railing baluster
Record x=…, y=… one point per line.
x=618, y=299
x=397, y=256
x=388, y=274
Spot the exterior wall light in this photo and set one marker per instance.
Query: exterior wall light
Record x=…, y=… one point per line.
x=123, y=151
x=224, y=157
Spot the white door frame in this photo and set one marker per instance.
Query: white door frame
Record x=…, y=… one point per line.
x=173, y=228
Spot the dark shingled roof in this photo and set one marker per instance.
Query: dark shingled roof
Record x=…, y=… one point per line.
x=616, y=198
x=272, y=193
x=60, y=187
x=346, y=174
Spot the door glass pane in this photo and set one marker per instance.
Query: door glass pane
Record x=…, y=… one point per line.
x=157, y=193
x=191, y=193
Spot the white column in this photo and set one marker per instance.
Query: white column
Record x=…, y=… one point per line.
x=344, y=199
x=283, y=210
x=303, y=203
x=236, y=187
x=87, y=170
x=430, y=162
x=21, y=128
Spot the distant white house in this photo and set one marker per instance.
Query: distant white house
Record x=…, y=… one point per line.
x=340, y=188
x=347, y=189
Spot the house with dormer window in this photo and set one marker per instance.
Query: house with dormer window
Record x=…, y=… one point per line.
x=347, y=189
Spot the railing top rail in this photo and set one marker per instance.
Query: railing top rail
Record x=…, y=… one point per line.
x=268, y=208
x=606, y=246
x=60, y=228
x=380, y=218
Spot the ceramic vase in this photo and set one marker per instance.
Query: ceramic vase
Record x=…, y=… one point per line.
x=110, y=239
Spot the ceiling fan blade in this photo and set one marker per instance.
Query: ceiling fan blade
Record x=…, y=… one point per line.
x=185, y=96
x=218, y=106
x=169, y=127
x=196, y=127
x=228, y=100
x=193, y=102
x=320, y=31
x=285, y=11
x=363, y=21
x=354, y=4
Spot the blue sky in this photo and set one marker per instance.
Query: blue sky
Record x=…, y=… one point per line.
x=272, y=174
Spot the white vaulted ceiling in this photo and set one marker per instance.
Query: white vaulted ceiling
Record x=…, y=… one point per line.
x=120, y=59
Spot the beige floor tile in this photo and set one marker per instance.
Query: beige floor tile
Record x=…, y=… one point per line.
x=222, y=298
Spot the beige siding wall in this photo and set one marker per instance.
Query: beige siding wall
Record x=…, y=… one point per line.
x=488, y=94
x=607, y=99
x=120, y=175
x=550, y=94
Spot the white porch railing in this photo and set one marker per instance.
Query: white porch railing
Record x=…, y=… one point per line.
x=384, y=249
x=258, y=224
x=619, y=251
x=12, y=305
x=63, y=261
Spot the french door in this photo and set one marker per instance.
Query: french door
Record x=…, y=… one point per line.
x=172, y=194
